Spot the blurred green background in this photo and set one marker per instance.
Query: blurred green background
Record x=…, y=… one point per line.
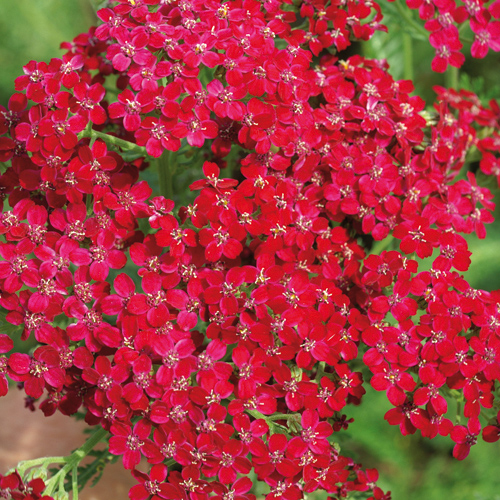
x=413, y=468
x=34, y=29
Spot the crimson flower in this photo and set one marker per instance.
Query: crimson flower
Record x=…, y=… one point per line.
x=16, y=268
x=491, y=433
x=394, y=381
x=447, y=47
x=152, y=486
x=104, y=256
x=465, y=437
x=130, y=47
x=313, y=436
x=270, y=458
x=416, y=236
x=86, y=102
x=57, y=129
x=130, y=106
x=43, y=368
x=132, y=443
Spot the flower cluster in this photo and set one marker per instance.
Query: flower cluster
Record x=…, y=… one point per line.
x=17, y=489
x=226, y=337
x=445, y=21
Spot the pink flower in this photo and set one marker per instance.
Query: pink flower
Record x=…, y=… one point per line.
x=152, y=486
x=132, y=443
x=104, y=256
x=447, y=47
x=465, y=437
x=86, y=102
x=37, y=371
x=130, y=47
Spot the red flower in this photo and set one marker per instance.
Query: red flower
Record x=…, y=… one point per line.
x=130, y=106
x=59, y=130
x=394, y=381
x=251, y=371
x=90, y=326
x=313, y=436
x=236, y=490
x=232, y=461
x=270, y=458
x=225, y=101
x=447, y=47
x=465, y=437
x=220, y=240
x=156, y=135
x=128, y=202
x=16, y=268
x=86, y=102
x=295, y=390
x=491, y=433
x=43, y=368
x=153, y=303
x=195, y=123
x=130, y=47
x=104, y=256
x=416, y=236
x=132, y=443
x=152, y=486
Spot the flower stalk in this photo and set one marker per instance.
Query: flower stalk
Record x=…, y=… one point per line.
x=71, y=463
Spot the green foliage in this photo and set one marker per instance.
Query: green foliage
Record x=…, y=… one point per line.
x=14, y=332
x=99, y=4
x=414, y=468
x=34, y=30
x=478, y=85
x=92, y=472
x=8, y=328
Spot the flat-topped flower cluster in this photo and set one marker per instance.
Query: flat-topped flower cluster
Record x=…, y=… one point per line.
x=322, y=253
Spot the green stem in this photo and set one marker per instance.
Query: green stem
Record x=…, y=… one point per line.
x=407, y=57
x=451, y=77
x=72, y=461
x=74, y=482
x=379, y=246
x=404, y=12
x=256, y=414
x=121, y=143
x=79, y=454
x=86, y=132
x=111, y=140
x=282, y=416
x=320, y=372
x=165, y=168
x=273, y=427
x=43, y=462
x=458, y=418
x=89, y=203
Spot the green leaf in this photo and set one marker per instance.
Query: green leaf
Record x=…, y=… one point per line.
x=92, y=472
x=130, y=156
x=99, y=4
x=6, y=327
